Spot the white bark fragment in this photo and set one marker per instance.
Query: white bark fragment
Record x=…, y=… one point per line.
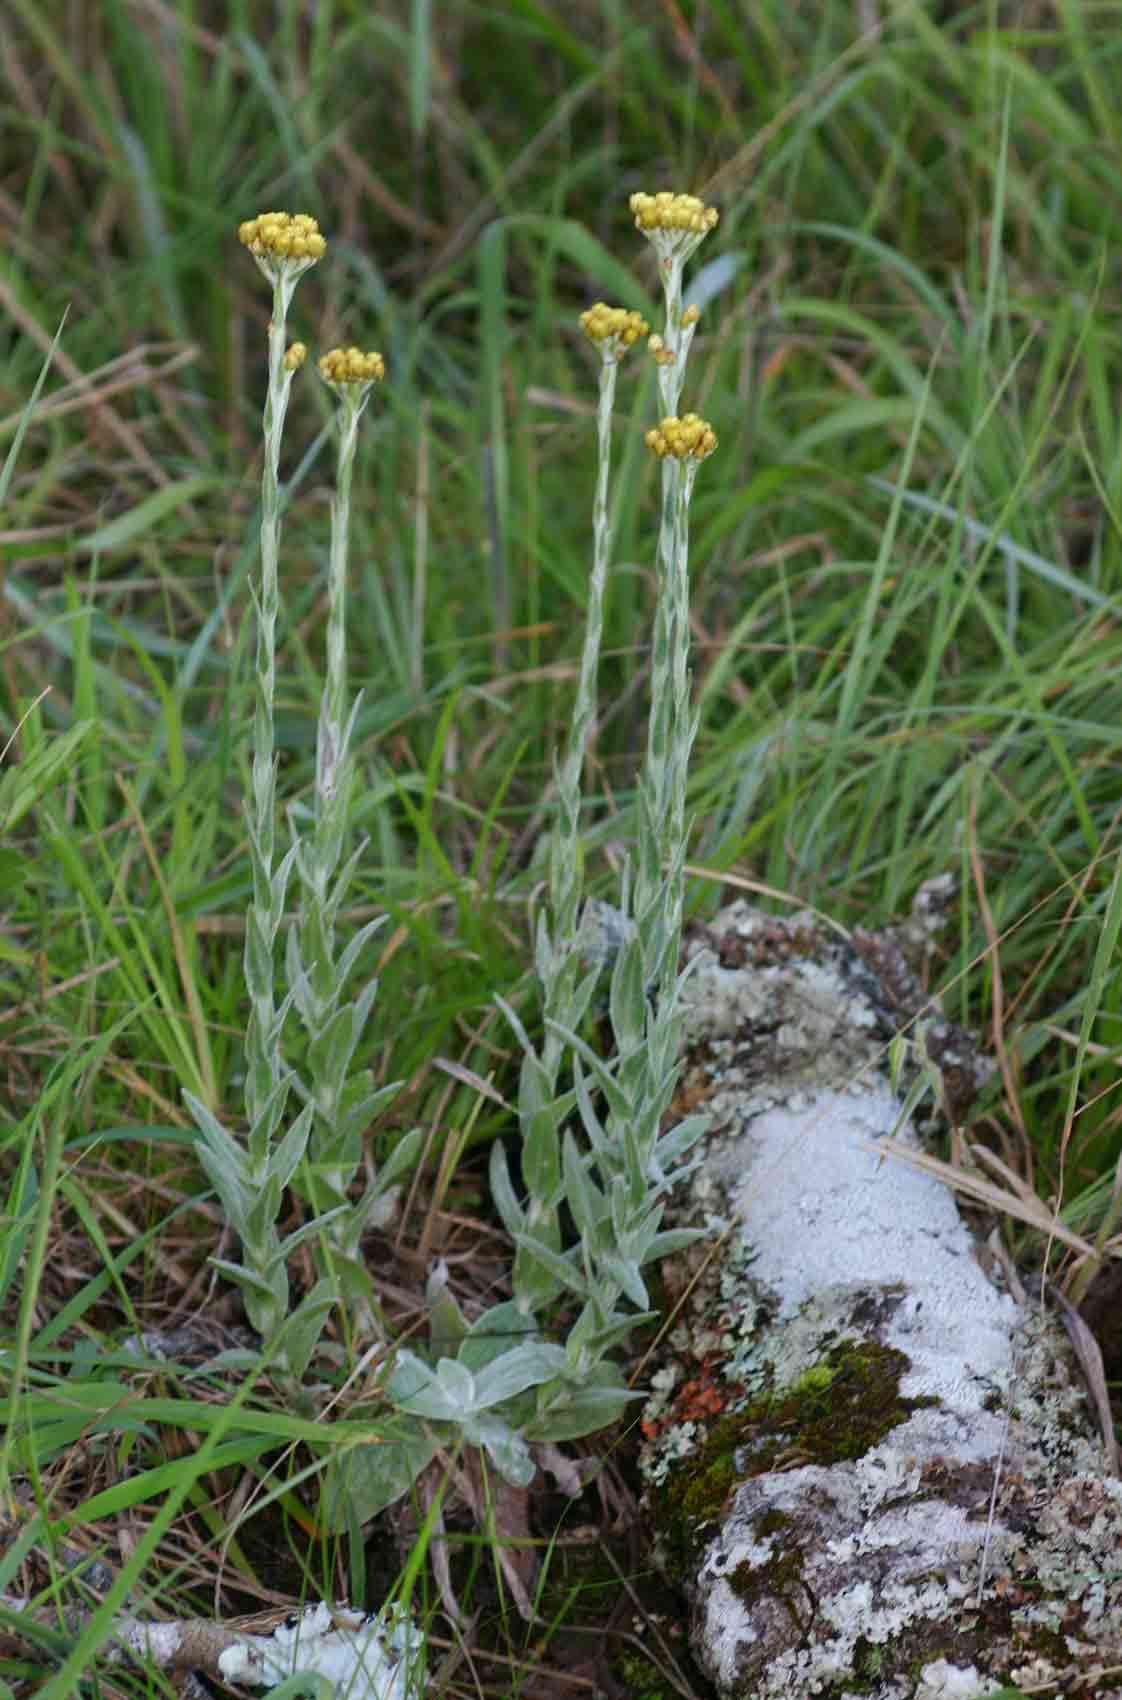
x=904, y=1489
x=369, y=1660
x=363, y=1656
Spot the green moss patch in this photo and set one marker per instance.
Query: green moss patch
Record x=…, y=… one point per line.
x=837, y=1410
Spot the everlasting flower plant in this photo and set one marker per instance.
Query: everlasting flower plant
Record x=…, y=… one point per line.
x=345, y=1101
x=321, y=1149
x=250, y=1179
x=615, y=1178
x=594, y=1151
x=616, y=1182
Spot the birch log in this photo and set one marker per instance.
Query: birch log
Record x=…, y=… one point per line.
x=871, y=1463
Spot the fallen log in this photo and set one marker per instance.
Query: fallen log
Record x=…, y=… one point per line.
x=871, y=1461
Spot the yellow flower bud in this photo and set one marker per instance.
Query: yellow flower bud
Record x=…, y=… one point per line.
x=283, y=236
x=295, y=356
x=688, y=438
x=351, y=366
x=670, y=212
x=612, y=328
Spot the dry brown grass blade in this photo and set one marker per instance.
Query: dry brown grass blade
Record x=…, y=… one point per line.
x=117, y=426
x=1086, y=1349
x=1024, y=1206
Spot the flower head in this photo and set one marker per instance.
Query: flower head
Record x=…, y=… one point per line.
x=284, y=246
x=295, y=355
x=688, y=438
x=351, y=366
x=673, y=224
x=667, y=211
x=283, y=236
x=612, y=329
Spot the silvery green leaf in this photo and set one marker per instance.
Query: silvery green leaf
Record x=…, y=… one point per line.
x=511, y=1213
x=278, y=886
x=496, y=1332
x=349, y=728
x=235, y=1357
x=531, y=1282
x=543, y=950
x=331, y=1050
x=358, y=1108
x=299, y=1333
x=257, y=956
x=224, y=1162
x=583, y=993
x=268, y=1119
x=602, y=1332
x=541, y=1156
x=593, y=1126
x=376, y=1207
x=223, y=1146
x=414, y=1388
x=233, y=1196
x=561, y=1268
x=581, y=1336
x=322, y=1224
x=506, y=1450
x=363, y=1481
x=364, y=1003
x=535, y=1088
x=625, y=1272
x=285, y=1159
x=588, y=1411
x=680, y=1138
x=672, y=1240
x=584, y=1198
x=627, y=997
x=276, y=1029
x=617, y=1102
x=405, y=1153
x=355, y=1287
x=519, y=1031
x=261, y=1217
x=357, y=944
x=458, y=1385
x=620, y=1205
x=447, y=1325
x=517, y=1369
x=246, y=1279
x=600, y=1401
x=296, y=973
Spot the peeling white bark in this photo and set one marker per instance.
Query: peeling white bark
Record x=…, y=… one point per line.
x=361, y=1656
x=875, y=1470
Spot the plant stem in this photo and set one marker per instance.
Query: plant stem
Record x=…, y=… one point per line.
x=263, y=1064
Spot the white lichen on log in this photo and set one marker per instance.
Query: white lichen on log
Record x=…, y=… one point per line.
x=873, y=1469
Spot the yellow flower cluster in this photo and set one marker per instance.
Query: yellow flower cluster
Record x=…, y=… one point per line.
x=295, y=356
x=667, y=211
x=688, y=438
x=351, y=366
x=602, y=323
x=283, y=236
